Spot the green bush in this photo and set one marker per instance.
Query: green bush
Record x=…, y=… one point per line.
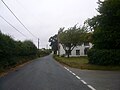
x=104, y=57
x=44, y=52
x=11, y=49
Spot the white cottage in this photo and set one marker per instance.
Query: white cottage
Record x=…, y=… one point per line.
x=77, y=51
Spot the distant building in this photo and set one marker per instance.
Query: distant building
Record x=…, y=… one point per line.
x=77, y=51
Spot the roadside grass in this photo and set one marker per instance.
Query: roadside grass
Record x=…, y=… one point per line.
x=82, y=63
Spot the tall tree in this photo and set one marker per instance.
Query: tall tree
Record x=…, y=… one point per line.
x=54, y=43
x=106, y=25
x=71, y=37
x=106, y=35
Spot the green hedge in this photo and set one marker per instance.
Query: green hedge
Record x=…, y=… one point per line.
x=44, y=52
x=104, y=57
x=13, y=52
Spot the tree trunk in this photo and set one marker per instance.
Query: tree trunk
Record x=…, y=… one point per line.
x=69, y=51
x=68, y=55
x=55, y=52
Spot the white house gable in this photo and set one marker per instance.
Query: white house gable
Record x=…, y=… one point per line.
x=77, y=51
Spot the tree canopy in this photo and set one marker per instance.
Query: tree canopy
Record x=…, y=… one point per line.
x=54, y=43
x=106, y=25
x=106, y=35
x=72, y=37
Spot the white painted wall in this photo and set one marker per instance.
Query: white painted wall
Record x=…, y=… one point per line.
x=73, y=53
x=61, y=50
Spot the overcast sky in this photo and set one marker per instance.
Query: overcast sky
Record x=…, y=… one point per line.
x=44, y=17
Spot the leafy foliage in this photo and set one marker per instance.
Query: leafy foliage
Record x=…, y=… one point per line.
x=106, y=25
x=10, y=49
x=104, y=57
x=54, y=43
x=72, y=37
x=43, y=52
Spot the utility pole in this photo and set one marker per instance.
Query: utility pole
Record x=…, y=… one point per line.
x=38, y=43
x=46, y=46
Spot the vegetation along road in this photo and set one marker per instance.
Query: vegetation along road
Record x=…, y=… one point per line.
x=47, y=74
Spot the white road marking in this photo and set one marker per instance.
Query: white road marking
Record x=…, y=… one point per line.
x=83, y=81
x=77, y=77
x=70, y=71
x=92, y=88
x=65, y=68
x=73, y=73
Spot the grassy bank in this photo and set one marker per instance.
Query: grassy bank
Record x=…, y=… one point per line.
x=82, y=63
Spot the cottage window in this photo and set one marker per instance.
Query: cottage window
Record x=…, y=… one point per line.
x=77, y=52
x=86, y=44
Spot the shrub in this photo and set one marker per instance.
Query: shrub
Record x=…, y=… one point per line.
x=11, y=49
x=104, y=57
x=63, y=55
x=44, y=52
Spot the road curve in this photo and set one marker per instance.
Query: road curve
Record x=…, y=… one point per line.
x=42, y=74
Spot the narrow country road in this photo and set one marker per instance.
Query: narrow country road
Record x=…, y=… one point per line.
x=42, y=74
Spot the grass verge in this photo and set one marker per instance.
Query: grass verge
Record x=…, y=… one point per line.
x=82, y=63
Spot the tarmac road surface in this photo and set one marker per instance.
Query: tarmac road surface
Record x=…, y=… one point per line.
x=42, y=74
x=47, y=74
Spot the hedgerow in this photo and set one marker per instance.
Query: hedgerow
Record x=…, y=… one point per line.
x=13, y=52
x=104, y=57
